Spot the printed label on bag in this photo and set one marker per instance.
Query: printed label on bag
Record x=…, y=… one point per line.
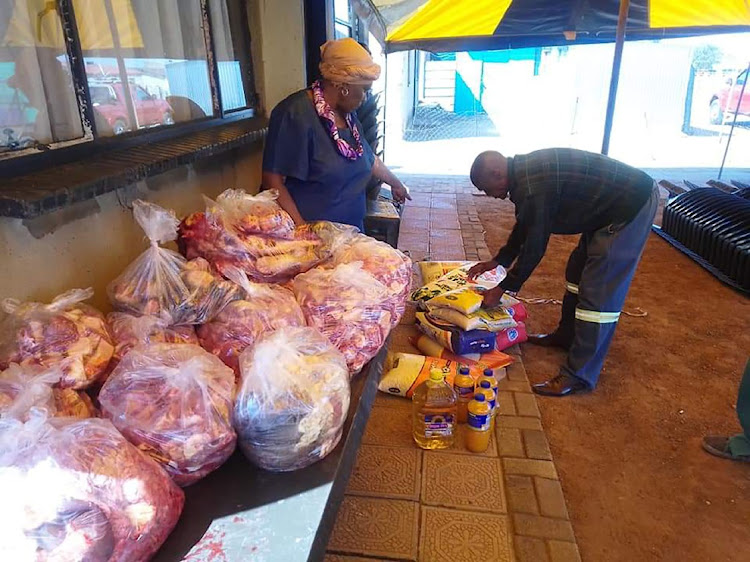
x=479, y=422
x=438, y=425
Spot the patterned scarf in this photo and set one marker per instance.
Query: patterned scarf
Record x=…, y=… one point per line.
x=325, y=112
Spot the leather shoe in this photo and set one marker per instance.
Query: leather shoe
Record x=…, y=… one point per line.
x=550, y=340
x=561, y=385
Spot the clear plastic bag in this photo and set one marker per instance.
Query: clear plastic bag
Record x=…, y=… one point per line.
x=129, y=331
x=25, y=387
x=255, y=214
x=174, y=402
x=160, y=282
x=350, y=307
x=65, y=333
x=263, y=309
x=77, y=490
x=293, y=400
x=264, y=256
x=388, y=265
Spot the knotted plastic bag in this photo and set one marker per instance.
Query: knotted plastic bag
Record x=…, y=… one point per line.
x=350, y=307
x=128, y=331
x=65, y=333
x=77, y=490
x=263, y=309
x=173, y=402
x=255, y=214
x=222, y=236
x=388, y=265
x=293, y=399
x=23, y=388
x=160, y=282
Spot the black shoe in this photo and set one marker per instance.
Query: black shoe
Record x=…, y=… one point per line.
x=561, y=385
x=550, y=340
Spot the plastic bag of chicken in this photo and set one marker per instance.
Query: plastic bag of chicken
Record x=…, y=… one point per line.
x=386, y=264
x=350, y=307
x=160, y=282
x=264, y=248
x=293, y=399
x=174, y=402
x=25, y=387
x=77, y=490
x=65, y=333
x=129, y=331
x=263, y=308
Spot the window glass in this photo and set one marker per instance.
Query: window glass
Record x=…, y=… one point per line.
x=232, y=51
x=342, y=30
x=158, y=48
x=341, y=10
x=37, y=100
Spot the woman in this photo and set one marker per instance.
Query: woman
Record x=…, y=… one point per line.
x=315, y=155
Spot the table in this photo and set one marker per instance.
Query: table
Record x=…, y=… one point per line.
x=241, y=513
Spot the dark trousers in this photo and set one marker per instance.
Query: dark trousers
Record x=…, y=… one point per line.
x=739, y=445
x=598, y=277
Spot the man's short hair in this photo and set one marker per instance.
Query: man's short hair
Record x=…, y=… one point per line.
x=479, y=167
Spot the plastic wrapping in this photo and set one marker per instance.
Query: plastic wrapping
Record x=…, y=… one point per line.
x=293, y=401
x=129, y=331
x=263, y=309
x=388, y=265
x=160, y=282
x=65, y=333
x=76, y=490
x=24, y=388
x=173, y=402
x=350, y=307
x=255, y=214
x=264, y=256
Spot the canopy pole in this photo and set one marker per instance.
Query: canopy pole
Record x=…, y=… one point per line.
x=619, y=42
x=734, y=122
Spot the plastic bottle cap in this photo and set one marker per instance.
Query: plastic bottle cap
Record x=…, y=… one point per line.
x=488, y=373
x=479, y=397
x=436, y=375
x=464, y=371
x=485, y=384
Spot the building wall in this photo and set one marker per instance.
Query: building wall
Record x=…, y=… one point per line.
x=91, y=243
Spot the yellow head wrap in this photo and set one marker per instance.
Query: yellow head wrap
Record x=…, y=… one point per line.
x=345, y=61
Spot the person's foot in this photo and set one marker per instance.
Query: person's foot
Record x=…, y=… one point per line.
x=561, y=385
x=550, y=340
x=718, y=445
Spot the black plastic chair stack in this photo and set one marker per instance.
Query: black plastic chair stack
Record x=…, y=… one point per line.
x=715, y=226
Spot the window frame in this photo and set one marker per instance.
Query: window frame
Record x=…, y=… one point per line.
x=20, y=162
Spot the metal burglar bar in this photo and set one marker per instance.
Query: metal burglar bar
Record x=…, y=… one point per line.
x=77, y=67
x=213, y=64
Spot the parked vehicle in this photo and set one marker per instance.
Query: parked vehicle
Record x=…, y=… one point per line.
x=109, y=101
x=725, y=100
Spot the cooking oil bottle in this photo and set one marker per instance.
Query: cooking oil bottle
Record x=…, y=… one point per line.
x=463, y=384
x=434, y=412
x=480, y=424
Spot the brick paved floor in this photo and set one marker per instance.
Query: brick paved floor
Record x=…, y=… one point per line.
x=403, y=503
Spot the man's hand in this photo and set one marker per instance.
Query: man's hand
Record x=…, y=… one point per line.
x=481, y=267
x=492, y=297
x=400, y=192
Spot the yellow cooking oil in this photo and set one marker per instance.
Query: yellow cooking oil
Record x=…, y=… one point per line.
x=434, y=412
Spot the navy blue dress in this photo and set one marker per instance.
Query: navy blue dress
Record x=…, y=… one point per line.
x=324, y=184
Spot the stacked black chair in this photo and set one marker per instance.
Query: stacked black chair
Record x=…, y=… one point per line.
x=715, y=226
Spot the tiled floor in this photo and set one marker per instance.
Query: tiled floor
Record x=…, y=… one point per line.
x=403, y=503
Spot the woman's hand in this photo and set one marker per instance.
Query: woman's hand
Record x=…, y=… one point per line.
x=481, y=267
x=400, y=192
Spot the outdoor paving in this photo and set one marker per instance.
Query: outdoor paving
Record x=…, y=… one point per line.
x=403, y=503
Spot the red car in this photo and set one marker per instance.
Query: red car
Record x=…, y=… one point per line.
x=725, y=101
x=109, y=103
